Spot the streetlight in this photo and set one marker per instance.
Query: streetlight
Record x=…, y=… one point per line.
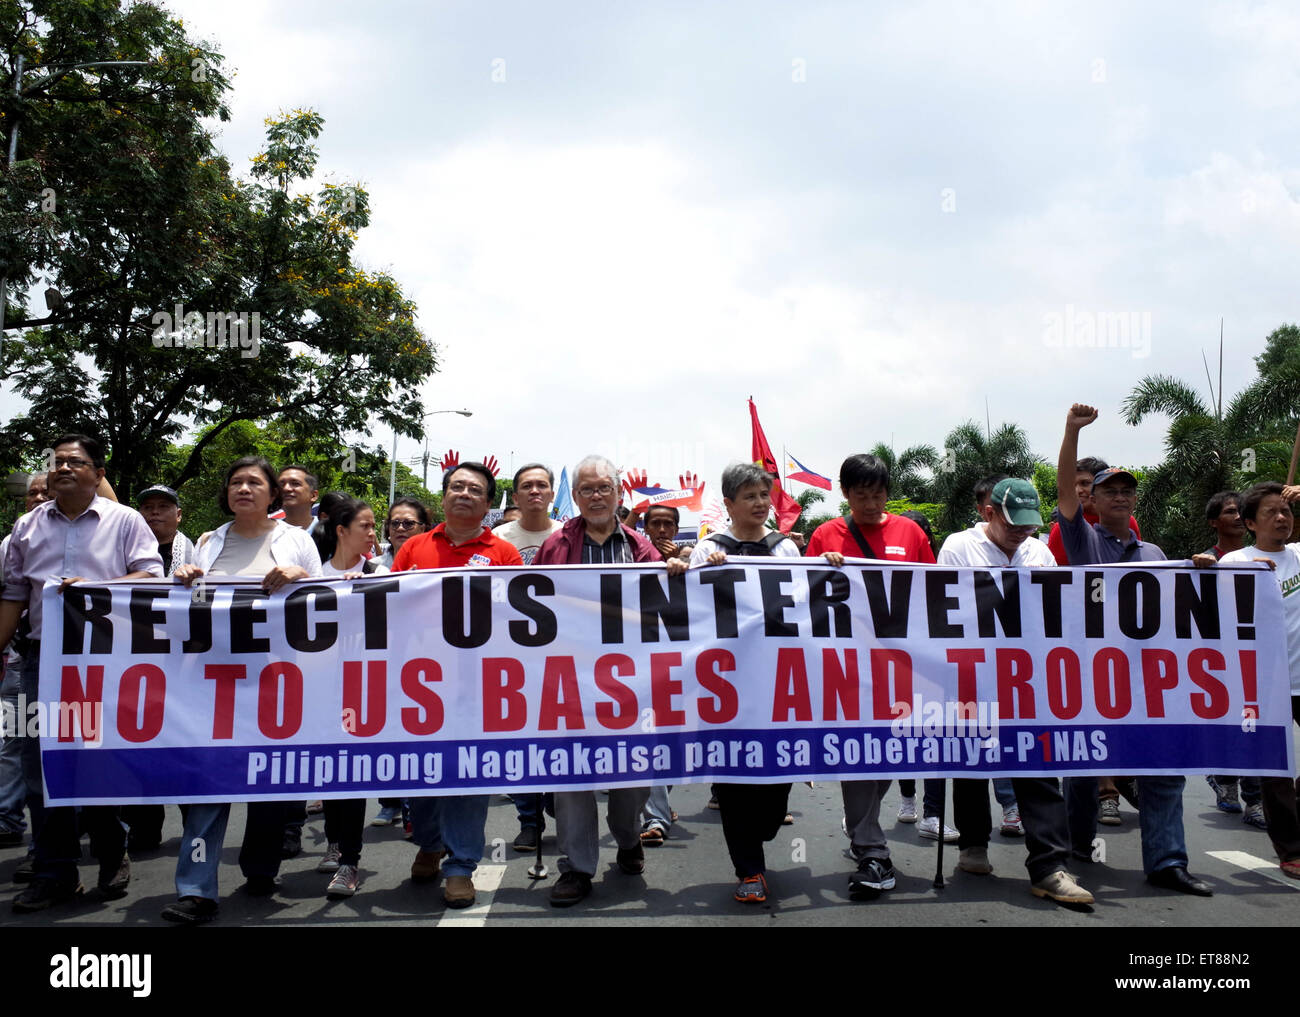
x=392, y=475
x=57, y=71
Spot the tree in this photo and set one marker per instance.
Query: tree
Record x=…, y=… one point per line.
x=807, y=498
x=906, y=470
x=970, y=455
x=146, y=219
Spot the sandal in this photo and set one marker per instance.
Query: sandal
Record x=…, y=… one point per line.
x=652, y=837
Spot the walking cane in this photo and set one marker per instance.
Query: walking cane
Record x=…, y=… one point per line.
x=938, y=863
x=538, y=868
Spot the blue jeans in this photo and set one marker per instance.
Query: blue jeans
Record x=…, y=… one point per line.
x=13, y=790
x=200, y=854
x=1004, y=792
x=454, y=824
x=657, y=811
x=1160, y=814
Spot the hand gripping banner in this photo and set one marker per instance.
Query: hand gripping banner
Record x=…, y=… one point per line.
x=760, y=670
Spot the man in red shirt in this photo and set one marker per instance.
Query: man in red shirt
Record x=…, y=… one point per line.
x=452, y=826
x=868, y=532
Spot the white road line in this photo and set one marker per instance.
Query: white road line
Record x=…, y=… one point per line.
x=1248, y=861
x=486, y=880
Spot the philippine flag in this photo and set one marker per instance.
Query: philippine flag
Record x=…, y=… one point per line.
x=796, y=470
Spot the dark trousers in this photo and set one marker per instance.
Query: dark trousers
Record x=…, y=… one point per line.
x=1280, y=808
x=1042, y=811
x=751, y=815
x=260, y=854
x=344, y=822
x=933, y=800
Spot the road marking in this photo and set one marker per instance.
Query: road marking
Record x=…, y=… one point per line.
x=486, y=880
x=1249, y=862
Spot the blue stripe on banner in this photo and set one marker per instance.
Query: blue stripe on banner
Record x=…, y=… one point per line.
x=244, y=773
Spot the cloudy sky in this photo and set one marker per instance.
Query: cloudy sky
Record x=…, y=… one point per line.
x=619, y=221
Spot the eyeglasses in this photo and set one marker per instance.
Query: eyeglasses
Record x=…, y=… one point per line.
x=461, y=487
x=604, y=490
x=72, y=463
x=404, y=524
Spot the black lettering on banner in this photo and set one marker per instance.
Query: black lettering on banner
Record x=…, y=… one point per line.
x=1146, y=623
x=1051, y=583
x=724, y=583
x=243, y=616
x=295, y=619
x=1094, y=607
x=889, y=613
x=775, y=602
x=938, y=605
x=375, y=595
x=611, y=608
x=546, y=626
x=480, y=611
x=1200, y=605
x=145, y=619
x=670, y=608
x=828, y=594
x=200, y=638
x=1004, y=604
x=84, y=606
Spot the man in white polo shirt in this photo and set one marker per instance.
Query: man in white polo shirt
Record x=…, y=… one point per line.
x=1006, y=540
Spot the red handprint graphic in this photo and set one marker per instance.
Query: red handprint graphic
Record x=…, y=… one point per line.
x=491, y=463
x=451, y=459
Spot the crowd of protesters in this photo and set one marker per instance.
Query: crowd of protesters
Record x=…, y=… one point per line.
x=75, y=530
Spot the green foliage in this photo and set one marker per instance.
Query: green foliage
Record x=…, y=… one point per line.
x=932, y=511
x=146, y=216
x=969, y=456
x=908, y=476
x=1044, y=479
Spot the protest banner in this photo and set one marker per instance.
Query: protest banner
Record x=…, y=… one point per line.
x=760, y=670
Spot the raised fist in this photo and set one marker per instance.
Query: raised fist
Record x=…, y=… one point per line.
x=1080, y=415
x=452, y=458
x=491, y=463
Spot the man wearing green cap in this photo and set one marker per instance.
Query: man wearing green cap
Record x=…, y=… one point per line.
x=1006, y=540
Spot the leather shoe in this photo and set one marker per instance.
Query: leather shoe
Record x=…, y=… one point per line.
x=569, y=889
x=1176, y=877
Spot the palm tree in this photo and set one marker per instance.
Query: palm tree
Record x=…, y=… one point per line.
x=906, y=476
x=970, y=455
x=807, y=498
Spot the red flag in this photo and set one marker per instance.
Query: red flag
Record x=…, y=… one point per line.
x=785, y=508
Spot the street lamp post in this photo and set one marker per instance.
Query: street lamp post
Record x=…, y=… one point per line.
x=392, y=474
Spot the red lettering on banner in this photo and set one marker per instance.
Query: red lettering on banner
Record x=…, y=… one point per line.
x=425, y=718
x=368, y=721
x=627, y=713
x=664, y=687
x=967, y=686
x=1213, y=702
x=560, y=698
x=1159, y=675
x=1015, y=695
x=840, y=686
x=86, y=703
x=885, y=663
x=279, y=700
x=138, y=678
x=1114, y=699
x=223, y=697
x=791, y=689
x=709, y=666
x=1064, y=683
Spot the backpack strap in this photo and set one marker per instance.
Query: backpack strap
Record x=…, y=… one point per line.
x=863, y=546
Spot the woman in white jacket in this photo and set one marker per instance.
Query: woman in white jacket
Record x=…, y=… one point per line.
x=276, y=553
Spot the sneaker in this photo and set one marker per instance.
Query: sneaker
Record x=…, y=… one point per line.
x=45, y=893
x=975, y=860
x=789, y=819
x=1011, y=824
x=907, y=809
x=527, y=839
x=1226, y=798
x=752, y=890
x=569, y=889
x=1254, y=816
x=388, y=816
x=929, y=829
x=631, y=860
x=190, y=911
x=344, y=883
x=426, y=866
x=458, y=892
x=1060, y=886
x=873, y=876
x=331, y=861
x=1108, y=812
x=112, y=885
